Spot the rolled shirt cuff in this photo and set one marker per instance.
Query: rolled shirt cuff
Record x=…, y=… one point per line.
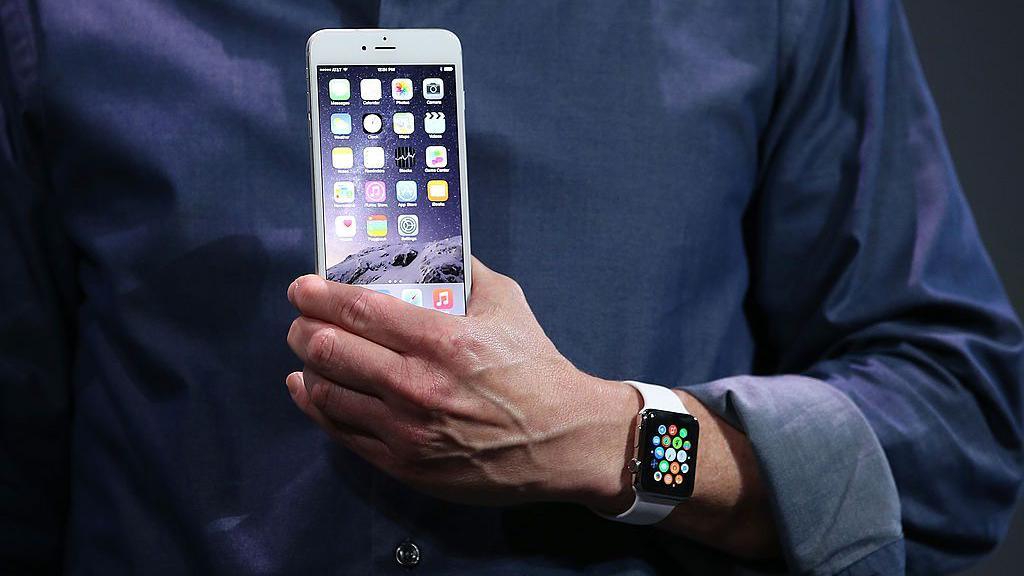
x=833, y=494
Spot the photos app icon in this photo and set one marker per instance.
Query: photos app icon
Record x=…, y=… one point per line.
x=401, y=89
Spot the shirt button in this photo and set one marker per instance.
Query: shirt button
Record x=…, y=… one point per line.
x=407, y=554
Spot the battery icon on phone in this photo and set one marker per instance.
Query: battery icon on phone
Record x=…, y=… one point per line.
x=447, y=68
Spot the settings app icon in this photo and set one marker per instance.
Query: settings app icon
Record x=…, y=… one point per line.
x=408, y=225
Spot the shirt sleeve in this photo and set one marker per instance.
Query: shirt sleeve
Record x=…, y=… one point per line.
x=36, y=310
x=886, y=409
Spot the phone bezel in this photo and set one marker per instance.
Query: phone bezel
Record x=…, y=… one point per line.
x=337, y=47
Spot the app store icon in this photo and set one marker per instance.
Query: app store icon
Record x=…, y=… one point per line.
x=405, y=190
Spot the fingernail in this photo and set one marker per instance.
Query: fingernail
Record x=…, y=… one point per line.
x=293, y=381
x=291, y=290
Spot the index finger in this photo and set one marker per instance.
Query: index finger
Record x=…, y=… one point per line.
x=383, y=319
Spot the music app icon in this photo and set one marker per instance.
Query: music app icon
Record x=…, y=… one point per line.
x=443, y=299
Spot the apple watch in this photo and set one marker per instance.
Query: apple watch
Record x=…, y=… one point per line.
x=665, y=456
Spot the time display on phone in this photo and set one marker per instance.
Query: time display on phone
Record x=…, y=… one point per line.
x=389, y=156
x=667, y=453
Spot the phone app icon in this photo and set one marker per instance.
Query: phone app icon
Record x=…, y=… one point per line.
x=662, y=429
x=405, y=190
x=372, y=123
x=345, y=226
x=373, y=157
x=659, y=452
x=437, y=156
x=375, y=191
x=433, y=88
x=433, y=123
x=377, y=225
x=401, y=89
x=344, y=192
x=674, y=467
x=437, y=190
x=657, y=476
x=403, y=122
x=408, y=224
x=443, y=299
x=341, y=158
x=413, y=296
x=677, y=442
x=369, y=89
x=672, y=430
x=670, y=454
x=405, y=157
x=663, y=465
x=339, y=89
x=341, y=123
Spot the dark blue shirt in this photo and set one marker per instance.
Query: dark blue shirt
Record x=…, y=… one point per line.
x=752, y=200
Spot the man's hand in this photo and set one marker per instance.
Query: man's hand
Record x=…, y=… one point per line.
x=483, y=409
x=477, y=409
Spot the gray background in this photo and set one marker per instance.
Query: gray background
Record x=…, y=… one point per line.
x=972, y=53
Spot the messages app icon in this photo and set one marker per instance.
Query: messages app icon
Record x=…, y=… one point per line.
x=339, y=89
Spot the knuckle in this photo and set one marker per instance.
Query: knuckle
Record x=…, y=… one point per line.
x=464, y=344
x=318, y=394
x=514, y=287
x=322, y=349
x=354, y=312
x=328, y=398
x=333, y=403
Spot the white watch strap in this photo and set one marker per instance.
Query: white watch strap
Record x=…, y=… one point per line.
x=646, y=510
x=659, y=397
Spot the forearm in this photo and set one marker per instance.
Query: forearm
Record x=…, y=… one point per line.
x=729, y=509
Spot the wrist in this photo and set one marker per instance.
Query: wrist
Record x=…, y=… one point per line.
x=605, y=485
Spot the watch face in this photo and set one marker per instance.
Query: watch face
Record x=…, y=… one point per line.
x=667, y=453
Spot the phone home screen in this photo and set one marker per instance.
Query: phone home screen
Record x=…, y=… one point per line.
x=668, y=453
x=389, y=153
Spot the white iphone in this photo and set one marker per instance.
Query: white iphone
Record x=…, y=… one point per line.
x=389, y=163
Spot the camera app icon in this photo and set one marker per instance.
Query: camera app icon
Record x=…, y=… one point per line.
x=408, y=225
x=433, y=88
